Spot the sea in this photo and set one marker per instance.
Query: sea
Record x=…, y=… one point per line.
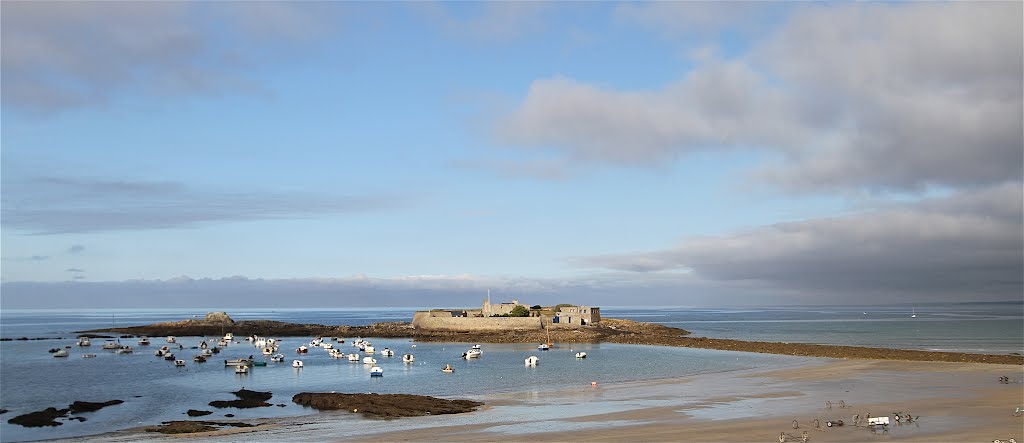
x=154, y=390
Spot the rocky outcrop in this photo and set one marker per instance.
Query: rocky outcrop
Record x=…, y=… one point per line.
x=246, y=399
x=218, y=318
x=385, y=405
x=49, y=416
x=197, y=413
x=190, y=427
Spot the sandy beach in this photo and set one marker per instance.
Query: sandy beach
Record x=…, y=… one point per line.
x=955, y=402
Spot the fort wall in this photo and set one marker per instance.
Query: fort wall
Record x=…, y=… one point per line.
x=424, y=321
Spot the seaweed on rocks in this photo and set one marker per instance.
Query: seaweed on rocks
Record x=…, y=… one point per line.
x=46, y=417
x=246, y=399
x=85, y=406
x=197, y=413
x=385, y=405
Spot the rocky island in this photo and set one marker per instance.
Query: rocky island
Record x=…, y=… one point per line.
x=608, y=330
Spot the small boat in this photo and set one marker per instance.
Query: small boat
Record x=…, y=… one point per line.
x=408, y=358
x=532, y=360
x=199, y=359
x=353, y=357
x=368, y=349
x=88, y=355
x=543, y=347
x=387, y=353
x=327, y=346
x=369, y=361
x=171, y=339
x=84, y=341
x=238, y=362
x=170, y=357
x=259, y=363
x=448, y=369
x=477, y=347
x=376, y=371
x=297, y=364
x=336, y=353
x=268, y=351
x=472, y=353
x=111, y=345
x=244, y=369
x=179, y=363
x=229, y=336
x=125, y=350
x=302, y=350
x=216, y=350
x=52, y=350
x=277, y=358
x=222, y=343
x=203, y=345
x=913, y=312
x=581, y=355
x=144, y=341
x=60, y=353
x=206, y=353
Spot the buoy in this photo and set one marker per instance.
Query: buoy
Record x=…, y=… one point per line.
x=593, y=383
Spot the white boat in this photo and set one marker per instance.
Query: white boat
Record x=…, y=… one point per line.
x=261, y=343
x=61, y=353
x=171, y=339
x=144, y=341
x=125, y=350
x=242, y=369
x=84, y=341
x=353, y=357
x=88, y=355
x=302, y=350
x=327, y=346
x=387, y=353
x=203, y=345
x=206, y=353
x=368, y=349
x=532, y=360
x=199, y=359
x=179, y=362
x=472, y=353
x=477, y=347
x=111, y=345
x=238, y=362
x=277, y=358
x=369, y=361
x=335, y=353
x=581, y=355
x=913, y=312
x=543, y=347
x=223, y=343
x=408, y=358
x=448, y=369
x=297, y=364
x=376, y=371
x=268, y=351
x=357, y=342
x=229, y=336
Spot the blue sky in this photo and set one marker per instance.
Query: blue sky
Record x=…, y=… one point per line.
x=420, y=153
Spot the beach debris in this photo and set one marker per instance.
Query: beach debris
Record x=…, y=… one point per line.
x=1018, y=411
x=841, y=404
x=833, y=423
x=1008, y=380
x=803, y=437
x=1011, y=440
x=816, y=423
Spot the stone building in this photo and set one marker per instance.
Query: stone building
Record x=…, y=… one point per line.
x=577, y=315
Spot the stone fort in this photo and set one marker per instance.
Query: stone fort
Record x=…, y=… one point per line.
x=493, y=317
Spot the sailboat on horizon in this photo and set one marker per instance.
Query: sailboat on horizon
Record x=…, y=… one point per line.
x=913, y=312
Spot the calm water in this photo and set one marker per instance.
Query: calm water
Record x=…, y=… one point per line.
x=155, y=391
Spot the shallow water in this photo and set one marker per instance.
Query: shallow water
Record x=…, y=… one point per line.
x=154, y=390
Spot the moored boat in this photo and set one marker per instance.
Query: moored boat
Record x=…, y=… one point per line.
x=199, y=359
x=88, y=355
x=60, y=353
x=238, y=362
x=179, y=363
x=84, y=341
x=144, y=341
x=297, y=364
x=387, y=352
x=408, y=358
x=242, y=369
x=581, y=355
x=376, y=371
x=369, y=361
x=532, y=360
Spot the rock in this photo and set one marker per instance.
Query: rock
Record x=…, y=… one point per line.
x=3, y=411
x=385, y=405
x=246, y=399
x=229, y=415
x=46, y=417
x=218, y=317
x=85, y=406
x=281, y=405
x=197, y=413
x=189, y=427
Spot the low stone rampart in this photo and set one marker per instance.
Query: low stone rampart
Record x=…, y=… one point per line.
x=423, y=321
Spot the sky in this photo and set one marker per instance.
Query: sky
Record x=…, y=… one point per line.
x=341, y=154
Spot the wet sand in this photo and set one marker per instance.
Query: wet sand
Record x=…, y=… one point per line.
x=955, y=402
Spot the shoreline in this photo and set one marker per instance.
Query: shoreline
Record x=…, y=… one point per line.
x=954, y=402
x=609, y=330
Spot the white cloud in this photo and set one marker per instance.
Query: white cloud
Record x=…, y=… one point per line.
x=878, y=96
